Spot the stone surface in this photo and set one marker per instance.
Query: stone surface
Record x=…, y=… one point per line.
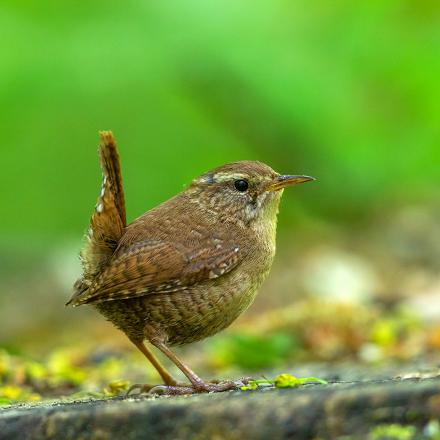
x=313, y=411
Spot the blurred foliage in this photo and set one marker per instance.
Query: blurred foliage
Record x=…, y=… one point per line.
x=251, y=352
x=66, y=372
x=370, y=335
x=346, y=92
x=393, y=431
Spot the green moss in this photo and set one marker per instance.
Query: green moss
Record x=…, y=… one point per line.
x=393, y=431
x=282, y=381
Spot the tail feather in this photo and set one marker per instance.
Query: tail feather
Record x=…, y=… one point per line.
x=111, y=169
x=108, y=220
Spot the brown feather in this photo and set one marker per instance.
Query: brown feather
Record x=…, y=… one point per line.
x=108, y=220
x=154, y=267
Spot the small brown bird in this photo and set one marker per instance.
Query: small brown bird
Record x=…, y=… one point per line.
x=186, y=269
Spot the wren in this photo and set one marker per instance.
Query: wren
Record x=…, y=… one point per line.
x=186, y=269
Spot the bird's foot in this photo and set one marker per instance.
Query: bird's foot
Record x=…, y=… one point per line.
x=201, y=387
x=145, y=388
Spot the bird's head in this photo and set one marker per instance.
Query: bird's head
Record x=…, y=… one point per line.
x=245, y=190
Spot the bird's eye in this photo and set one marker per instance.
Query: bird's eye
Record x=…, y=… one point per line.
x=241, y=185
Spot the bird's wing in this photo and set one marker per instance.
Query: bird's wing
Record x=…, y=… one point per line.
x=154, y=266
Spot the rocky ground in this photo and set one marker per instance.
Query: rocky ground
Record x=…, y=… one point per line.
x=392, y=403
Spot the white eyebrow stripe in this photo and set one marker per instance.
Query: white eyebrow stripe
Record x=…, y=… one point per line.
x=222, y=177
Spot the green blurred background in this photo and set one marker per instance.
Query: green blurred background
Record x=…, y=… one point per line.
x=347, y=92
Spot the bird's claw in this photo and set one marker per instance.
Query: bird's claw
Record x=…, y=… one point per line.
x=215, y=386
x=170, y=390
x=177, y=388
x=203, y=387
x=142, y=387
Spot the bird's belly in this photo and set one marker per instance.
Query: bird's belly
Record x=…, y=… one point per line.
x=190, y=315
x=204, y=310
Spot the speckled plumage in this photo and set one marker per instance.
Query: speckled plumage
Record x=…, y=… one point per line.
x=188, y=268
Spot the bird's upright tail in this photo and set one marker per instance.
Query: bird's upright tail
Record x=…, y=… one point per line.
x=108, y=220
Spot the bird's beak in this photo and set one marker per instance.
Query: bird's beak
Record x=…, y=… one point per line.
x=281, y=182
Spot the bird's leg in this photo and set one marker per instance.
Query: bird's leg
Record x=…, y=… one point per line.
x=198, y=385
x=164, y=373
x=193, y=378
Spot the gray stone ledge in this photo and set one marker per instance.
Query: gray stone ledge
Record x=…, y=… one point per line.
x=313, y=411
